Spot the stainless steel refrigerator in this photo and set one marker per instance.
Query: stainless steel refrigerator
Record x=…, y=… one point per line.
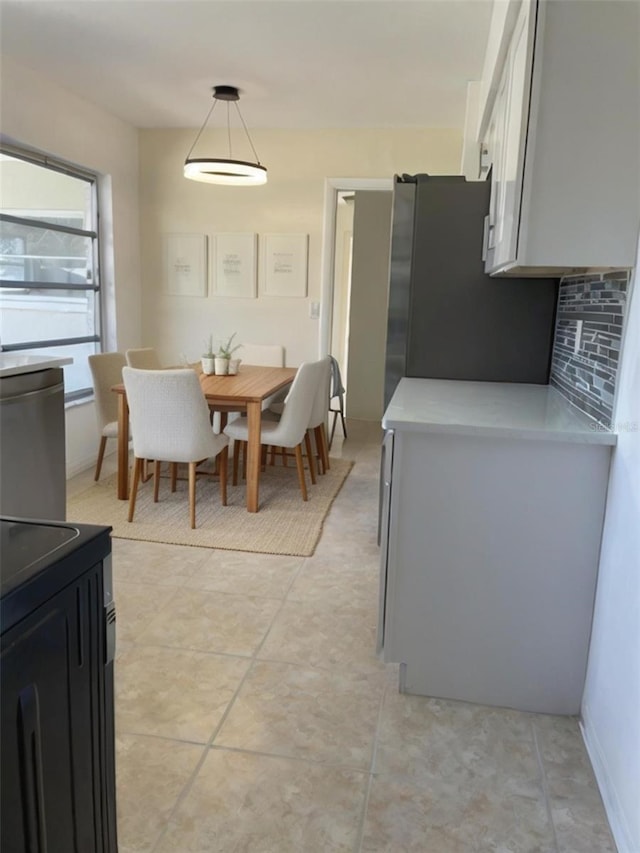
x=448, y=319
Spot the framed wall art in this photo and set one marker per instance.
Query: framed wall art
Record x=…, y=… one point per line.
x=186, y=264
x=284, y=264
x=234, y=264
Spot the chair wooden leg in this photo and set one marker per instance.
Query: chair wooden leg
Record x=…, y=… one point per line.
x=192, y=494
x=322, y=433
x=272, y=460
x=223, y=456
x=283, y=450
x=300, y=464
x=156, y=480
x=244, y=459
x=263, y=456
x=344, y=423
x=236, y=457
x=312, y=464
x=318, y=454
x=333, y=427
x=137, y=470
x=174, y=475
x=145, y=475
x=103, y=444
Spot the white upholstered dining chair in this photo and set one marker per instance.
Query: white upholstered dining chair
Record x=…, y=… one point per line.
x=291, y=429
x=261, y=355
x=170, y=423
x=317, y=423
x=337, y=391
x=106, y=371
x=145, y=358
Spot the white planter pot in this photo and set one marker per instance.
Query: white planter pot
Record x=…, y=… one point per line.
x=208, y=365
x=222, y=366
x=234, y=364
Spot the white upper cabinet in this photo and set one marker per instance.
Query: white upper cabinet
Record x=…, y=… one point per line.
x=560, y=128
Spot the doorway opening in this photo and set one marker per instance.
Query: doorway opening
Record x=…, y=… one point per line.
x=342, y=318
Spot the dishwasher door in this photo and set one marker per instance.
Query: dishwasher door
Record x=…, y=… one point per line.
x=32, y=445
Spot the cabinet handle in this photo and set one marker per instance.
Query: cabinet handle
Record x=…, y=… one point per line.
x=31, y=768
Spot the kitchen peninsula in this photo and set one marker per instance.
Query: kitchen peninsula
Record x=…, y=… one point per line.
x=491, y=519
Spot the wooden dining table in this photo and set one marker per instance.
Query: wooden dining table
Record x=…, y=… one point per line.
x=243, y=392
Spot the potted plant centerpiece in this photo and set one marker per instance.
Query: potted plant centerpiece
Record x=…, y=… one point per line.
x=224, y=362
x=208, y=358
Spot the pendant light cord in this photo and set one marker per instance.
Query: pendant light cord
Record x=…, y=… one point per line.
x=204, y=124
x=247, y=132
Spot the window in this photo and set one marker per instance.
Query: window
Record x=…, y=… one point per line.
x=49, y=271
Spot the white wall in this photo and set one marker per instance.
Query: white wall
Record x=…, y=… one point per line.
x=611, y=703
x=38, y=114
x=291, y=202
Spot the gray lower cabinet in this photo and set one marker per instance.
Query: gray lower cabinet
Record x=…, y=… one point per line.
x=490, y=558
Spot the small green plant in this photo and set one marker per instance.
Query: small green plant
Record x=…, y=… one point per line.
x=208, y=353
x=226, y=350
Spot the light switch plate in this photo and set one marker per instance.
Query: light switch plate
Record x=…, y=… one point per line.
x=314, y=310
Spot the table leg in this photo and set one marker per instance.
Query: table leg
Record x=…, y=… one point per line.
x=254, y=418
x=123, y=448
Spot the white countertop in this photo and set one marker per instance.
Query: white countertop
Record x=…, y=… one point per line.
x=13, y=364
x=490, y=408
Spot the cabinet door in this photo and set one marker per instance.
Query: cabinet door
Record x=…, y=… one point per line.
x=496, y=147
x=512, y=111
x=50, y=725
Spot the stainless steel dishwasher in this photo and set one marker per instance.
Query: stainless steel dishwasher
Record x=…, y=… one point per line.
x=32, y=445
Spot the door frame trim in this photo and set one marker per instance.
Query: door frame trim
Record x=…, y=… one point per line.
x=332, y=186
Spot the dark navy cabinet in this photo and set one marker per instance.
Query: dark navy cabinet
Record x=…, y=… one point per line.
x=57, y=772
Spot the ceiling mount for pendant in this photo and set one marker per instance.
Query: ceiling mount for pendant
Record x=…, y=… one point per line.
x=225, y=170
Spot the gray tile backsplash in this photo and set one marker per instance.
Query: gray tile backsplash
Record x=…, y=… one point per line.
x=587, y=340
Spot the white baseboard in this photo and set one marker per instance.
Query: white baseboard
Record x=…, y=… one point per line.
x=85, y=464
x=615, y=815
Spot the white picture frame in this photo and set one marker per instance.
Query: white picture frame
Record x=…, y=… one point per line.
x=284, y=260
x=234, y=265
x=185, y=257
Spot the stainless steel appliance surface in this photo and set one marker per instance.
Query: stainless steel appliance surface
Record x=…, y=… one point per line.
x=447, y=319
x=32, y=445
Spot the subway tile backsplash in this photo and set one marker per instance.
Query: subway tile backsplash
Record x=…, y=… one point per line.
x=587, y=340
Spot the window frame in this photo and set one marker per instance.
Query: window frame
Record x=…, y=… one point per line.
x=93, y=234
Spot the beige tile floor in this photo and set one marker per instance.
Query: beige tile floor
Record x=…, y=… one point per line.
x=253, y=715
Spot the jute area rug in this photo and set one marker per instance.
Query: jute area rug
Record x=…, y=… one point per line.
x=285, y=523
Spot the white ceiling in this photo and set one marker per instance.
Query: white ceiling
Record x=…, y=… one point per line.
x=298, y=63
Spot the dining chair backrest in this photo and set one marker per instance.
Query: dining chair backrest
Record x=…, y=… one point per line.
x=264, y=355
x=143, y=359
x=337, y=388
x=106, y=371
x=296, y=414
x=321, y=401
x=169, y=415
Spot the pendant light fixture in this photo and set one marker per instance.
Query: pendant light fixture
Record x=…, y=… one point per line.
x=225, y=170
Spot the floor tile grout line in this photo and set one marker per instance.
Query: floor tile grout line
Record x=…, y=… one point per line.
x=186, y=789
x=315, y=762
x=210, y=744
x=545, y=786
x=207, y=747
x=372, y=763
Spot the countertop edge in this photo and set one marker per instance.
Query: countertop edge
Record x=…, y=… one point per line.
x=34, y=367
x=599, y=437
